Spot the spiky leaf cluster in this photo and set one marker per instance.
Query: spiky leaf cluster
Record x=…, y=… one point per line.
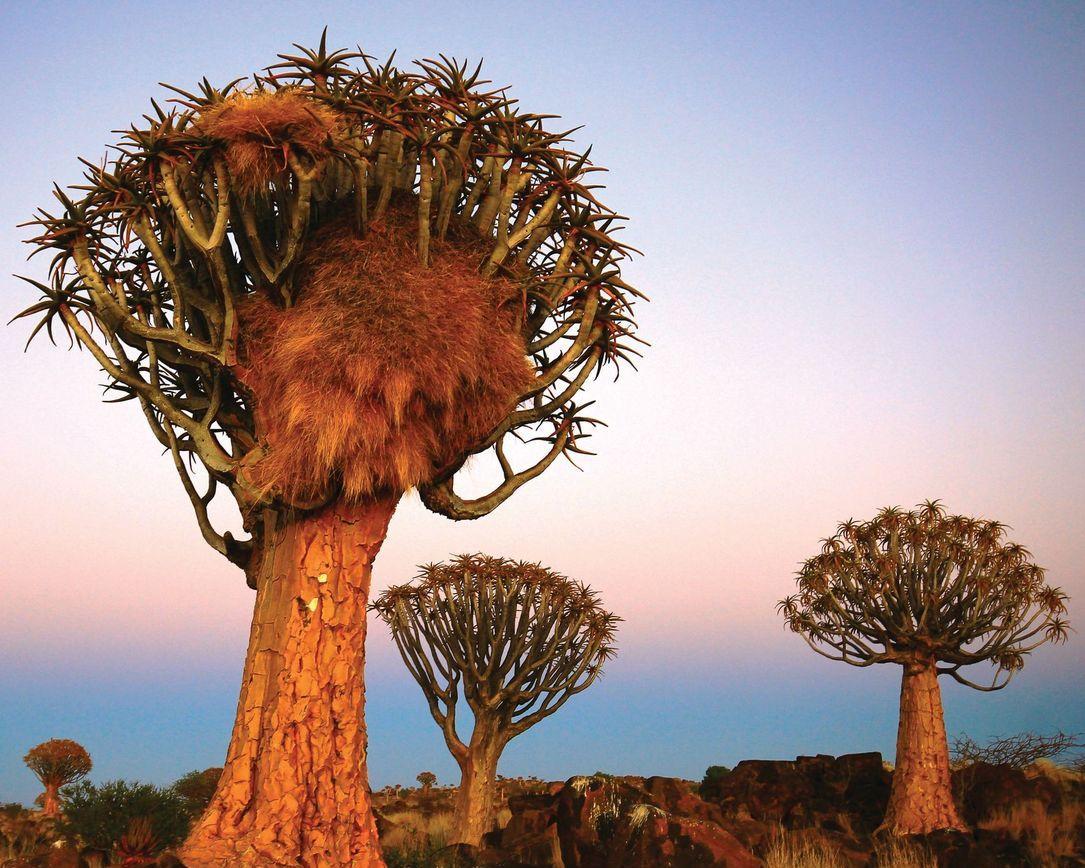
x=516, y=638
x=925, y=585
x=58, y=762
x=153, y=254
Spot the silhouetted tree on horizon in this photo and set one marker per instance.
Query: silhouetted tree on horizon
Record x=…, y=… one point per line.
x=933, y=593
x=323, y=287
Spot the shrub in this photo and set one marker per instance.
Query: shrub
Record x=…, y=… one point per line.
x=1018, y=751
x=101, y=815
x=197, y=788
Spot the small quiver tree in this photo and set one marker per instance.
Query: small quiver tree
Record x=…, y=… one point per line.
x=57, y=763
x=427, y=780
x=323, y=287
x=933, y=593
x=515, y=638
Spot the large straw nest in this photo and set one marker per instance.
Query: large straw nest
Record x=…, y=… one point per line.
x=384, y=371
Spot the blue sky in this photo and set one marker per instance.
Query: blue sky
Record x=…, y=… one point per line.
x=865, y=247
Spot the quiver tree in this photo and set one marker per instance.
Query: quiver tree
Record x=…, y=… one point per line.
x=515, y=638
x=934, y=593
x=323, y=287
x=57, y=763
x=427, y=780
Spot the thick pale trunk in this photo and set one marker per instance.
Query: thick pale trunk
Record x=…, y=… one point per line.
x=50, y=800
x=295, y=789
x=921, y=799
x=475, y=800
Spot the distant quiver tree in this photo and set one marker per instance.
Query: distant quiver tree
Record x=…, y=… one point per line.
x=325, y=286
x=516, y=639
x=934, y=593
x=57, y=763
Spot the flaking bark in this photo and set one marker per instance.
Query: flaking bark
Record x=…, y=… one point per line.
x=921, y=799
x=295, y=789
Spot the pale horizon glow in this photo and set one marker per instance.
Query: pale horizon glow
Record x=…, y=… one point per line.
x=865, y=247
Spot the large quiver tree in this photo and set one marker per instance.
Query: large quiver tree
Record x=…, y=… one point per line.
x=934, y=593
x=516, y=639
x=323, y=287
x=57, y=763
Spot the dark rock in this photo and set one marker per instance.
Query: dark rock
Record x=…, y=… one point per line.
x=677, y=842
x=677, y=797
x=603, y=822
x=531, y=814
x=980, y=850
x=535, y=850
x=985, y=789
x=808, y=791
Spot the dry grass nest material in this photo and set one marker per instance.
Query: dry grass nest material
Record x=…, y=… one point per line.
x=262, y=128
x=384, y=371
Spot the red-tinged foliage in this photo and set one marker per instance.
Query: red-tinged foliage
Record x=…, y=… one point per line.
x=384, y=371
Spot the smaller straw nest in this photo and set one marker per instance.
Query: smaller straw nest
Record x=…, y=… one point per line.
x=384, y=371
x=262, y=128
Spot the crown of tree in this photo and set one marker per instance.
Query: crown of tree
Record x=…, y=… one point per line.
x=926, y=585
x=339, y=279
x=58, y=761
x=517, y=638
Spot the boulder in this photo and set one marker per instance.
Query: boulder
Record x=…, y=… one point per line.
x=984, y=789
x=807, y=791
x=651, y=837
x=533, y=850
x=603, y=822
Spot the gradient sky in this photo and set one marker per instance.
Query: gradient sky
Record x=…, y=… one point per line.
x=864, y=238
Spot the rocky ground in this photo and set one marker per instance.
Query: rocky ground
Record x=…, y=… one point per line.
x=819, y=811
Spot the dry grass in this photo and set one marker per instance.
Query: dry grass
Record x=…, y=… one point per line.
x=804, y=848
x=412, y=830
x=261, y=128
x=902, y=853
x=1053, y=771
x=384, y=371
x=1050, y=836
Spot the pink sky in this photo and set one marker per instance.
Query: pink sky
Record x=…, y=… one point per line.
x=865, y=247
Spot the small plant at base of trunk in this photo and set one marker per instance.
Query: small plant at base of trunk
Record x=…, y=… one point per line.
x=102, y=815
x=516, y=638
x=137, y=844
x=933, y=593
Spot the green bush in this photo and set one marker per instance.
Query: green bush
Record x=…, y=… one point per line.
x=197, y=788
x=100, y=815
x=715, y=773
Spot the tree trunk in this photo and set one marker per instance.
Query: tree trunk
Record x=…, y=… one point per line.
x=50, y=800
x=921, y=799
x=475, y=801
x=295, y=788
